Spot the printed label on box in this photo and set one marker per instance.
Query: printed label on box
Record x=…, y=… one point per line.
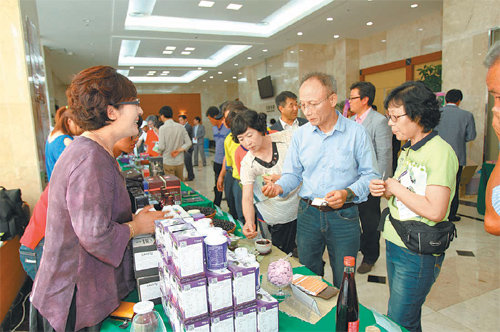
x=146, y=260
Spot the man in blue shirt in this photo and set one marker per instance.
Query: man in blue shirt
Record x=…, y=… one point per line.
x=220, y=132
x=334, y=160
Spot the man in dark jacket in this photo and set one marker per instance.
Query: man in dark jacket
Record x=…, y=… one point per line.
x=286, y=102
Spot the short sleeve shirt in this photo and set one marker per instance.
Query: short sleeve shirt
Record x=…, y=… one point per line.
x=230, y=147
x=431, y=161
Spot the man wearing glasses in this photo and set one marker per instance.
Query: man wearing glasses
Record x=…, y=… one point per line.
x=333, y=158
x=361, y=100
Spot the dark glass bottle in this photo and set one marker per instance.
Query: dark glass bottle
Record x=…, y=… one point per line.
x=347, y=319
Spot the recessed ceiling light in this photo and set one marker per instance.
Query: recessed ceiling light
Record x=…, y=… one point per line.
x=189, y=48
x=185, y=53
x=301, y=50
x=415, y=5
x=204, y=80
x=336, y=36
x=164, y=74
x=292, y=52
x=264, y=50
x=299, y=33
x=170, y=48
x=165, y=71
x=168, y=52
x=236, y=64
x=329, y=19
x=219, y=72
x=420, y=29
x=249, y=57
x=234, y=77
x=204, y=3
x=199, y=68
x=234, y=6
x=131, y=67
x=152, y=71
x=225, y=81
x=369, y=23
x=383, y=40
x=240, y=73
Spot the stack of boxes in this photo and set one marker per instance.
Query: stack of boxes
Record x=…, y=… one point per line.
x=196, y=299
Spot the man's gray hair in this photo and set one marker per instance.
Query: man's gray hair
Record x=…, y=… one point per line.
x=493, y=55
x=328, y=81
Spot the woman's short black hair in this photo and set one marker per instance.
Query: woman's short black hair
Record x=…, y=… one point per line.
x=420, y=103
x=248, y=119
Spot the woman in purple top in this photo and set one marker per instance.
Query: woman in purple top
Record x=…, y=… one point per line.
x=86, y=268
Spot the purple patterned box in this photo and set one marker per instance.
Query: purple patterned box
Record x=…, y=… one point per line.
x=243, y=282
x=222, y=322
x=187, y=252
x=267, y=312
x=198, y=325
x=220, y=290
x=245, y=319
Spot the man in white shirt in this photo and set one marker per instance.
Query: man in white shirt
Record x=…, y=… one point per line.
x=286, y=102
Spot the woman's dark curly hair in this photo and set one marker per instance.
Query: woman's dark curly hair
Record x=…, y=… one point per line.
x=419, y=102
x=91, y=92
x=248, y=119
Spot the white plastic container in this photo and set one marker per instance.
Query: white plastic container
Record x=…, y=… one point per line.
x=216, y=250
x=146, y=319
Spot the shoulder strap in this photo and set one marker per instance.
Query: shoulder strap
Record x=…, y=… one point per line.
x=381, y=223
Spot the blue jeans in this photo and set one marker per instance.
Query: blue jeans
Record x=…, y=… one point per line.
x=338, y=230
x=411, y=277
x=237, y=194
x=30, y=259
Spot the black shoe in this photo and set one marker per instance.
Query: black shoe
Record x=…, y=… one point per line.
x=190, y=179
x=455, y=218
x=295, y=253
x=365, y=268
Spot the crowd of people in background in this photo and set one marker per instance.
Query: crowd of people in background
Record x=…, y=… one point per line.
x=308, y=184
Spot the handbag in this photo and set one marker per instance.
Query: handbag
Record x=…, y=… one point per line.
x=14, y=214
x=420, y=237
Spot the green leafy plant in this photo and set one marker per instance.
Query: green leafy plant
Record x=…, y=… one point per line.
x=430, y=75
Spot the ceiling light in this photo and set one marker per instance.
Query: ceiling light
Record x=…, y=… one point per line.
x=170, y=48
x=264, y=50
x=234, y=6
x=336, y=36
x=152, y=72
x=299, y=33
x=225, y=81
x=165, y=72
x=199, y=68
x=369, y=23
x=189, y=48
x=383, y=40
x=211, y=77
x=249, y=57
x=240, y=73
x=301, y=50
x=277, y=21
x=185, y=53
x=415, y=5
x=131, y=67
x=220, y=73
x=420, y=29
x=167, y=52
x=186, y=78
x=207, y=4
x=292, y=52
x=329, y=19
x=141, y=8
x=236, y=64
x=234, y=77
x=204, y=80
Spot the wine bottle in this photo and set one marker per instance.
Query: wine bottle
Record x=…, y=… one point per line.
x=347, y=319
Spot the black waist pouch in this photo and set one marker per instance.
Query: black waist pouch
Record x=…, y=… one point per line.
x=422, y=238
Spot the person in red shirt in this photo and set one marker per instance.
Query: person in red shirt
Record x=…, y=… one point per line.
x=152, y=136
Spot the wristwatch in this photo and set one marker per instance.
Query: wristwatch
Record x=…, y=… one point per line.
x=350, y=195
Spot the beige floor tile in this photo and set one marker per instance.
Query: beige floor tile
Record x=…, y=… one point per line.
x=436, y=321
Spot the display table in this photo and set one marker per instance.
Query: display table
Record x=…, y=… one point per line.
x=286, y=323
x=206, y=202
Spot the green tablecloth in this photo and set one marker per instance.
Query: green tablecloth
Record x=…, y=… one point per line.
x=206, y=202
x=286, y=323
x=486, y=170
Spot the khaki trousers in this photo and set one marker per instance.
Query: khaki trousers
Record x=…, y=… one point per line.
x=175, y=170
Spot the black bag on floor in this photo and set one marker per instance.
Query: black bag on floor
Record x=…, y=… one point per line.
x=14, y=214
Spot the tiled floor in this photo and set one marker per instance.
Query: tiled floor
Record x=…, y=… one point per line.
x=466, y=296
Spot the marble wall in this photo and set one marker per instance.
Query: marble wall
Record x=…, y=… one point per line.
x=465, y=42
x=20, y=164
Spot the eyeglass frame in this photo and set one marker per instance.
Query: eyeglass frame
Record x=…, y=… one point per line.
x=353, y=98
x=302, y=108
x=131, y=102
x=394, y=118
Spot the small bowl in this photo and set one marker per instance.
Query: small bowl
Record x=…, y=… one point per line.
x=263, y=246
